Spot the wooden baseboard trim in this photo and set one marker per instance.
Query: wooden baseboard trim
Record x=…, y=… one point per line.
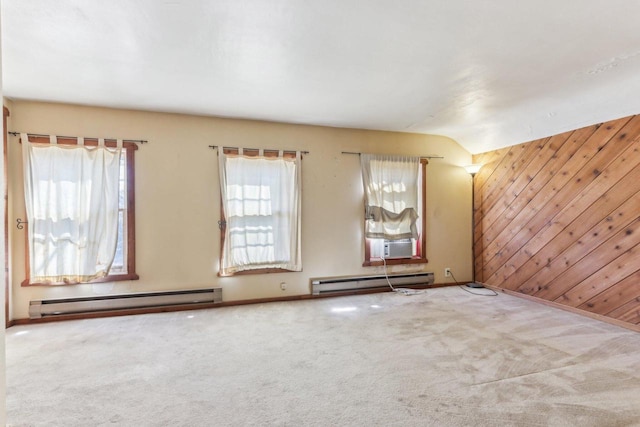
x=165, y=309
x=631, y=326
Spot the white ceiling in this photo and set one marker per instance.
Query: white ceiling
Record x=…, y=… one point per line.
x=486, y=73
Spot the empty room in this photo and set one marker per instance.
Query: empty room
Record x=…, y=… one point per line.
x=437, y=224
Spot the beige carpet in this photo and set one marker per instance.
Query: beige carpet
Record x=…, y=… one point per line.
x=444, y=358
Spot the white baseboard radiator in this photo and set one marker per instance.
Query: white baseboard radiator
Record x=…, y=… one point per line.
x=356, y=283
x=82, y=305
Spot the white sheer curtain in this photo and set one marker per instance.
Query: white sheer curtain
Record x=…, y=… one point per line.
x=261, y=203
x=391, y=196
x=71, y=196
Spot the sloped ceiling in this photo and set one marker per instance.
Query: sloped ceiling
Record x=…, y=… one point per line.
x=487, y=73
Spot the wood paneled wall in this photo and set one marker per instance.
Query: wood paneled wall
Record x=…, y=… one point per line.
x=559, y=219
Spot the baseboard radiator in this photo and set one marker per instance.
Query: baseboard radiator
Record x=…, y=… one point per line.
x=355, y=283
x=67, y=306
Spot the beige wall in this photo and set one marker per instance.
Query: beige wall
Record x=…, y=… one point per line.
x=177, y=199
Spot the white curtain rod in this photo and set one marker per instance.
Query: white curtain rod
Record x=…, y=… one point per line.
x=422, y=157
x=135, y=141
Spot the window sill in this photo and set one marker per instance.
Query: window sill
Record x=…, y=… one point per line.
x=111, y=278
x=258, y=271
x=377, y=262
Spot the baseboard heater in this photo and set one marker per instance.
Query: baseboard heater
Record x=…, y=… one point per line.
x=66, y=306
x=355, y=283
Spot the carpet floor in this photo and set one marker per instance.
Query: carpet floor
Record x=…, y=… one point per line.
x=441, y=358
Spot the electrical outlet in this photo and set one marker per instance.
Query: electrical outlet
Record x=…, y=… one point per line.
x=447, y=272
x=283, y=286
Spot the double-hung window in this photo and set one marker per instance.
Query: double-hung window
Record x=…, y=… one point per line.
x=394, y=189
x=79, y=197
x=260, y=223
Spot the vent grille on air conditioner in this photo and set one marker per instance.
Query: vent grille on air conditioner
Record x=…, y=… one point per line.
x=398, y=248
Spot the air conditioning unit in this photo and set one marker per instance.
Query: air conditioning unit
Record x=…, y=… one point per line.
x=402, y=248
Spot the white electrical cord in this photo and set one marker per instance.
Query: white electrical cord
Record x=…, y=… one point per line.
x=404, y=291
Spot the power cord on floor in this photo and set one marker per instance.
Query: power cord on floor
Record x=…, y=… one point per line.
x=471, y=292
x=403, y=291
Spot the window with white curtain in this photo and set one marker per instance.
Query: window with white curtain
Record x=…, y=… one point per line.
x=79, y=201
x=261, y=207
x=394, y=208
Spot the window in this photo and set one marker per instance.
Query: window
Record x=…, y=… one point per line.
x=394, y=209
x=59, y=254
x=260, y=222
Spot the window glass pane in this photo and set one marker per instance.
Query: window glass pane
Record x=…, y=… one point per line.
x=119, y=264
x=122, y=182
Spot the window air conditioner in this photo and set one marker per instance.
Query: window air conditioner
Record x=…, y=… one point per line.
x=402, y=248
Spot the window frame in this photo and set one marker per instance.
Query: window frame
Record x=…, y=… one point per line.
x=421, y=258
x=222, y=224
x=130, y=149
x=123, y=161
